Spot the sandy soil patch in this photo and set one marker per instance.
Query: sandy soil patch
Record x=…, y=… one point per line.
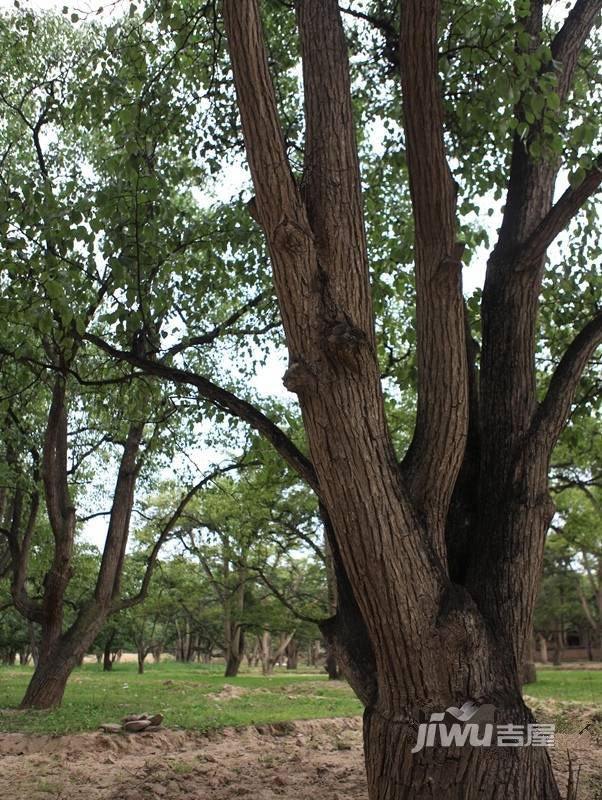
x=321, y=759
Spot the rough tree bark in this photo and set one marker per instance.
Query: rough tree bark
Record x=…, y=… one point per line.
x=61, y=651
x=438, y=559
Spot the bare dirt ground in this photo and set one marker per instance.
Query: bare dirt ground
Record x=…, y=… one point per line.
x=321, y=759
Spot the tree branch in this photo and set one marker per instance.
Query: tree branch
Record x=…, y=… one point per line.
x=224, y=400
x=436, y=452
x=559, y=216
x=570, y=39
x=210, y=336
x=166, y=530
x=109, y=574
x=554, y=409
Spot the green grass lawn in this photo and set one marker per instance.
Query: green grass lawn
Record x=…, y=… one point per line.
x=189, y=696
x=580, y=685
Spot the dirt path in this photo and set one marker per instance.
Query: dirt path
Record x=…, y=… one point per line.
x=319, y=759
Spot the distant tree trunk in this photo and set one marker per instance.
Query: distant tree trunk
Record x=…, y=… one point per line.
x=233, y=629
x=543, y=648
x=33, y=643
x=265, y=652
x=292, y=655
x=557, y=661
x=235, y=652
x=107, y=661
x=156, y=652
x=332, y=666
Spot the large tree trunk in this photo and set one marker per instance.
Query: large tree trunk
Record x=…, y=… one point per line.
x=59, y=658
x=437, y=560
x=47, y=685
x=452, y=773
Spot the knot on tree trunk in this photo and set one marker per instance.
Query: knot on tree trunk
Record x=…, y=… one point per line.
x=454, y=259
x=291, y=236
x=343, y=341
x=299, y=378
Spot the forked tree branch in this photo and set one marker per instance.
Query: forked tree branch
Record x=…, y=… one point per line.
x=165, y=532
x=223, y=400
x=19, y=547
x=559, y=216
x=210, y=336
x=554, y=409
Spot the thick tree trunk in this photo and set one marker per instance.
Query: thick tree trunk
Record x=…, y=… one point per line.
x=437, y=561
x=452, y=773
x=47, y=685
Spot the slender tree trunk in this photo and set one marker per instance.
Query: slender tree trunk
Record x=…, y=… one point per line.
x=332, y=666
x=107, y=661
x=141, y=659
x=292, y=655
x=543, y=648
x=33, y=643
x=233, y=629
x=265, y=653
x=235, y=648
x=557, y=661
